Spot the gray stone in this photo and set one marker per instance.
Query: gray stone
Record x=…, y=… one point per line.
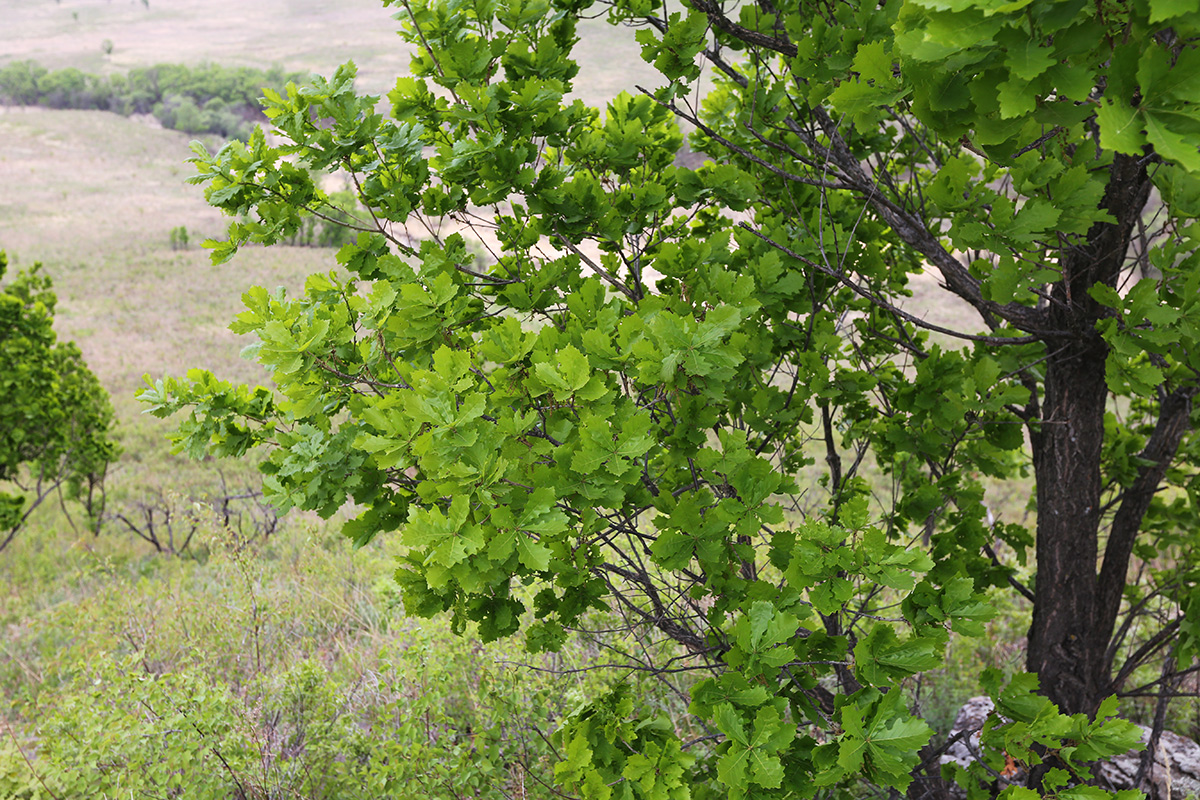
x=1174, y=775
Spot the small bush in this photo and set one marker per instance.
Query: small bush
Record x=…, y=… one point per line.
x=179, y=238
x=169, y=522
x=439, y=722
x=56, y=422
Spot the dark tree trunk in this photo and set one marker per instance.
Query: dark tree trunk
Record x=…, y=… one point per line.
x=1073, y=612
x=1067, y=464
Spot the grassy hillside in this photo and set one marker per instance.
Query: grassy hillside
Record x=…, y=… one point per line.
x=94, y=196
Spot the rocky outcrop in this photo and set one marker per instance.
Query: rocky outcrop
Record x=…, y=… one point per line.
x=1173, y=775
x=964, y=736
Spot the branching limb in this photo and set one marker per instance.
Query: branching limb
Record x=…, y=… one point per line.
x=1174, y=421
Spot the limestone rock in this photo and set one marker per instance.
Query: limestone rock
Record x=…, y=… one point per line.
x=1174, y=775
x=963, y=750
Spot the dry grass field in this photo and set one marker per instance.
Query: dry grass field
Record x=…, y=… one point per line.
x=300, y=35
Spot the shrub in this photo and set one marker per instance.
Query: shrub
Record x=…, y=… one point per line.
x=55, y=418
x=179, y=238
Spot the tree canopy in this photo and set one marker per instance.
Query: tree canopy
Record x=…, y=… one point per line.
x=702, y=405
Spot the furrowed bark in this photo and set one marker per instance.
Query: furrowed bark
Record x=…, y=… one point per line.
x=1068, y=636
x=1061, y=637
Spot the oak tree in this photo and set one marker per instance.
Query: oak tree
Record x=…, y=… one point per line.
x=707, y=402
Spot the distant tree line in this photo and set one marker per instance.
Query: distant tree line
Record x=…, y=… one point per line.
x=208, y=98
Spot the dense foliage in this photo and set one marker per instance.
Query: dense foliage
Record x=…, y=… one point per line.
x=701, y=406
x=208, y=98
x=55, y=419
